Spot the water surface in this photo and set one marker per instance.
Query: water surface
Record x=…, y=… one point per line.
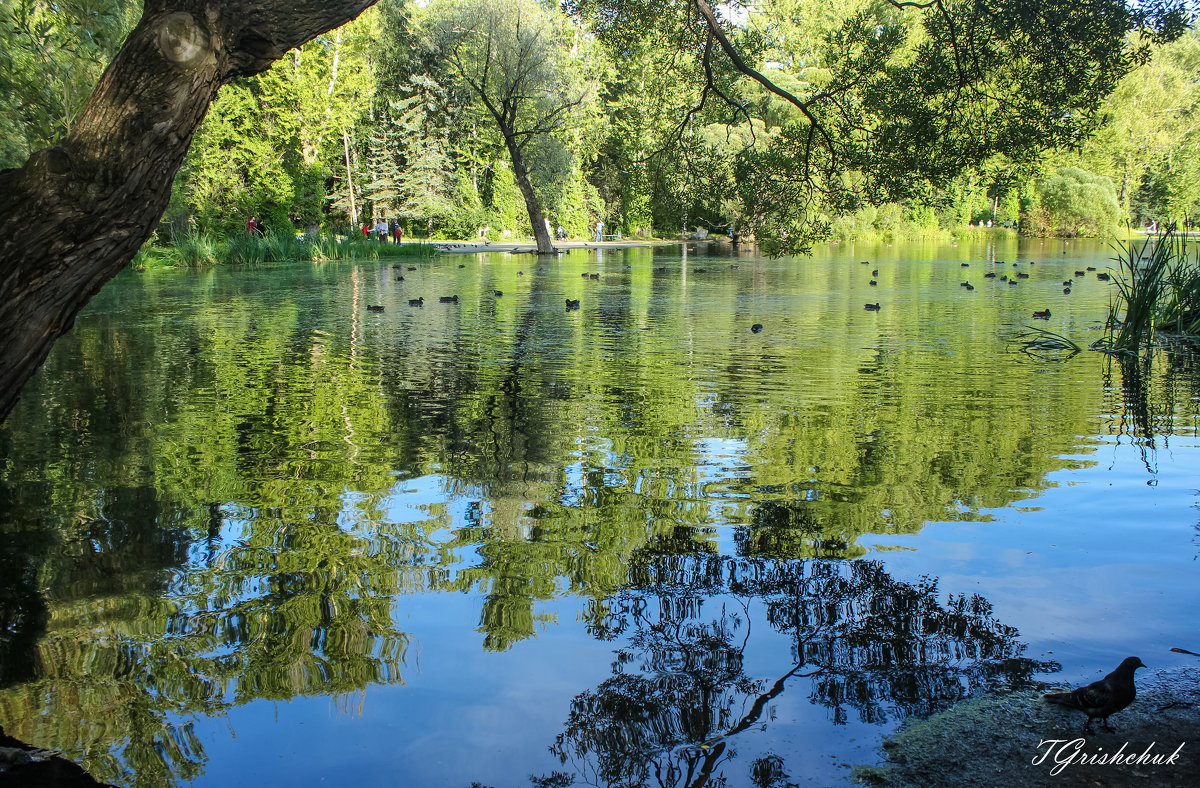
x=254, y=532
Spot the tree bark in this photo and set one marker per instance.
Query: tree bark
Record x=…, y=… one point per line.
x=541, y=234
x=77, y=213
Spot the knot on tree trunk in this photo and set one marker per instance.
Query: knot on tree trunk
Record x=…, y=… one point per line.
x=182, y=41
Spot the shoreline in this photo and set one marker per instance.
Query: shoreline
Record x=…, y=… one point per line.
x=997, y=739
x=528, y=247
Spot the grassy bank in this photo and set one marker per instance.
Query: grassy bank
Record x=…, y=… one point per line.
x=198, y=250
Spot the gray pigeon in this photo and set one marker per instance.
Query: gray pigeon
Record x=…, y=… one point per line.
x=1104, y=697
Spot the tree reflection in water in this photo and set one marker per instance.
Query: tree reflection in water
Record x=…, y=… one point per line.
x=680, y=693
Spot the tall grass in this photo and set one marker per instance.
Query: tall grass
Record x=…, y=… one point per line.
x=1158, y=290
x=198, y=249
x=1180, y=308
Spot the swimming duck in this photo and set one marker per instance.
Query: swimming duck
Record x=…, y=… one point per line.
x=449, y=299
x=756, y=328
x=871, y=307
x=1043, y=314
x=572, y=303
x=374, y=308
x=417, y=301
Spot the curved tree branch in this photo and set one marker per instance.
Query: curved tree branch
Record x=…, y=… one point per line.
x=76, y=213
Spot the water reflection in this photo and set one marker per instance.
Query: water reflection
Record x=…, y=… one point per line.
x=862, y=642
x=252, y=489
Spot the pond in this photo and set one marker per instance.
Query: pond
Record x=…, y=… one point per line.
x=255, y=532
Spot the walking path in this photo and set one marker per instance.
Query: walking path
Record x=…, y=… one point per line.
x=469, y=247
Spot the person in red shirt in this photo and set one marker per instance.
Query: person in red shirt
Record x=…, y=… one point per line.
x=252, y=226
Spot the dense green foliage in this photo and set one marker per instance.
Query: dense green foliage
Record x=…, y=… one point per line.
x=1072, y=118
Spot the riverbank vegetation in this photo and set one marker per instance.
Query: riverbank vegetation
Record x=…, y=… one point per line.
x=392, y=116
x=195, y=250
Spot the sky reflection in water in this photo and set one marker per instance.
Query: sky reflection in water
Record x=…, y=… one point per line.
x=259, y=534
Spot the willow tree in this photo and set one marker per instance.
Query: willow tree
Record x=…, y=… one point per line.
x=78, y=211
x=521, y=61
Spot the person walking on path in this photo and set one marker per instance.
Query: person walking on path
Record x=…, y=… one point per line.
x=599, y=231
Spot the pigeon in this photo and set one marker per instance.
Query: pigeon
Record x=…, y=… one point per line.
x=1104, y=697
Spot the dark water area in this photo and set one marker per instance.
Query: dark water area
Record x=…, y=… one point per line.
x=254, y=532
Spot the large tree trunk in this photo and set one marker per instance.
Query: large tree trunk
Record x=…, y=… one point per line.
x=76, y=213
x=541, y=234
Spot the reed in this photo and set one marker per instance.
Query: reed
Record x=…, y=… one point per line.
x=195, y=250
x=1043, y=343
x=1142, y=283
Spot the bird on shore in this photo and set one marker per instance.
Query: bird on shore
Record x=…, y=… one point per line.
x=1104, y=697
